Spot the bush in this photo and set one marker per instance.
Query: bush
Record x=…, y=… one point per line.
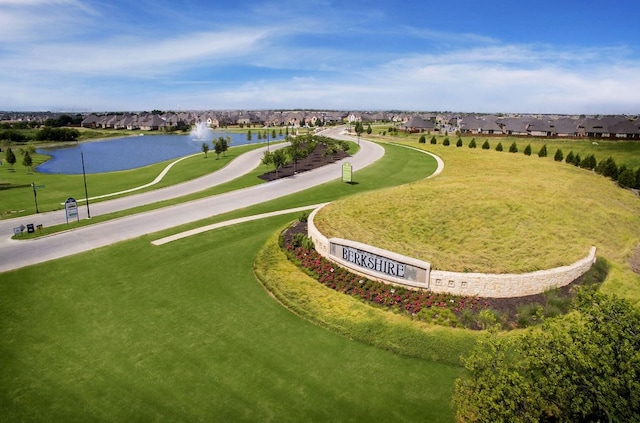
x=570, y=158
x=543, y=151
x=499, y=147
x=637, y=185
x=459, y=142
x=558, y=156
x=513, y=148
x=527, y=150
x=528, y=315
x=486, y=145
x=422, y=139
x=577, y=160
x=433, y=140
x=472, y=144
x=610, y=169
x=589, y=162
x=446, y=141
x=627, y=179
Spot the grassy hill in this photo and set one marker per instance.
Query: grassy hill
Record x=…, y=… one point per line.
x=498, y=212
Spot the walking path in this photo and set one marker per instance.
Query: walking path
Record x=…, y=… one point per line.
x=15, y=254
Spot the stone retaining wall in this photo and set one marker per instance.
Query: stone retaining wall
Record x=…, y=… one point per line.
x=418, y=274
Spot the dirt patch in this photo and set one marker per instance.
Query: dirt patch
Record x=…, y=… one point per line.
x=314, y=160
x=634, y=260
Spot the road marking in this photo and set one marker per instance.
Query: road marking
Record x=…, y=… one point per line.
x=211, y=227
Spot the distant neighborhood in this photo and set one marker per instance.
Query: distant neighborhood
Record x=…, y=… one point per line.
x=618, y=126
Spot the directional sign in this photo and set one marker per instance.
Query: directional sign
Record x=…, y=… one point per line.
x=71, y=208
x=347, y=172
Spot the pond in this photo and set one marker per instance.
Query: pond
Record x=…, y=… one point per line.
x=133, y=152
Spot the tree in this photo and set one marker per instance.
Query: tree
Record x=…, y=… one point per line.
x=499, y=147
x=558, y=156
x=369, y=130
x=459, y=142
x=27, y=161
x=10, y=157
x=637, y=185
x=205, y=148
x=527, y=150
x=446, y=141
x=513, y=148
x=580, y=367
x=267, y=158
x=433, y=140
x=279, y=159
x=627, y=179
x=485, y=145
x=218, y=148
x=610, y=169
x=472, y=144
x=570, y=158
x=422, y=139
x=543, y=151
x=249, y=135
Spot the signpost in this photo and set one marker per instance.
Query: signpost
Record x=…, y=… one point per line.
x=347, y=173
x=71, y=209
x=35, y=194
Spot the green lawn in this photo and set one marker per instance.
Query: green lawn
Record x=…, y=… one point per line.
x=16, y=199
x=498, y=212
x=184, y=332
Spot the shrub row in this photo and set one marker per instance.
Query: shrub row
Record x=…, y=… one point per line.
x=625, y=177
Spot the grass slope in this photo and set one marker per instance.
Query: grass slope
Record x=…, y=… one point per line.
x=498, y=212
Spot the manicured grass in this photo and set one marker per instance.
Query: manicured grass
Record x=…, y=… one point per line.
x=205, y=343
x=498, y=212
x=57, y=188
x=184, y=332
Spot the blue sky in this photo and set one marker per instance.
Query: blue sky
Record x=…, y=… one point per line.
x=561, y=56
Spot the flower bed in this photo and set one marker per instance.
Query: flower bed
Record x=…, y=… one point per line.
x=441, y=308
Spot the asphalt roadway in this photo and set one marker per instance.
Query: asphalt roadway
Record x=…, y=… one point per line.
x=15, y=254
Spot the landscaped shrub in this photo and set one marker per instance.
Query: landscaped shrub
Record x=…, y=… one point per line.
x=499, y=147
x=528, y=315
x=577, y=160
x=527, y=150
x=433, y=140
x=558, y=156
x=472, y=144
x=637, y=179
x=543, y=151
x=513, y=148
x=610, y=169
x=486, y=145
x=589, y=162
x=422, y=139
x=446, y=141
x=459, y=142
x=570, y=158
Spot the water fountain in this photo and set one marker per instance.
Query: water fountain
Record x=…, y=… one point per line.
x=201, y=132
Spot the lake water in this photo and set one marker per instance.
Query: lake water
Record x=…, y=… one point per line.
x=131, y=152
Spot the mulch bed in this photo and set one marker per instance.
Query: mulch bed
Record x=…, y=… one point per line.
x=313, y=161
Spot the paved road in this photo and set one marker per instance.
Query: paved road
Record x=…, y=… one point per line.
x=16, y=254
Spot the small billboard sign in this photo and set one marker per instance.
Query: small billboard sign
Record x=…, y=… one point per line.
x=71, y=209
x=347, y=172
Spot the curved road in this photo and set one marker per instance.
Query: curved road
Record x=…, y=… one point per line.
x=15, y=254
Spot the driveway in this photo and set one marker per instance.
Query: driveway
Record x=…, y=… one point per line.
x=15, y=254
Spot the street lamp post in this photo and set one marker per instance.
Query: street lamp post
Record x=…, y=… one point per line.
x=268, y=137
x=84, y=177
